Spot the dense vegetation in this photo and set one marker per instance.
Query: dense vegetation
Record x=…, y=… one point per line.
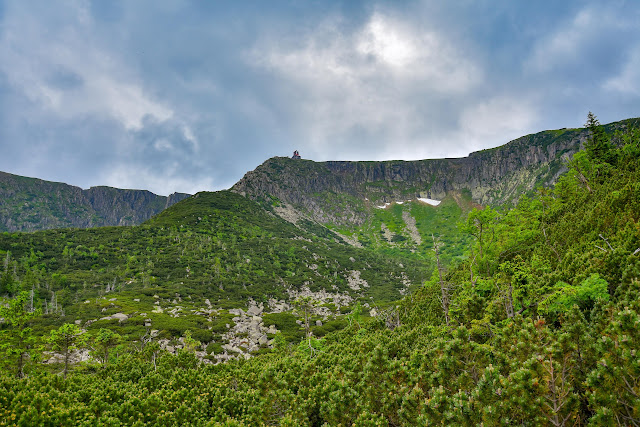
x=539, y=325
x=215, y=245
x=183, y=270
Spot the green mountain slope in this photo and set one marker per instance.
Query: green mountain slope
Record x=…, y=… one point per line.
x=30, y=204
x=539, y=327
x=192, y=264
x=411, y=227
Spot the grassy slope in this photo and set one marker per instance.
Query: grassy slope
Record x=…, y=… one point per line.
x=440, y=221
x=217, y=246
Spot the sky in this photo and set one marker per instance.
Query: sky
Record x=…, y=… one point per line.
x=188, y=96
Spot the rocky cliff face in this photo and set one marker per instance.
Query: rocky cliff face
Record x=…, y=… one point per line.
x=29, y=204
x=343, y=192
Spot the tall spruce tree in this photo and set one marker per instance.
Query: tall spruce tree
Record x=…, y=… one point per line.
x=598, y=146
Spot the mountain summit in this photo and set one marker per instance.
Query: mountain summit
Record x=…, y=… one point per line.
x=346, y=192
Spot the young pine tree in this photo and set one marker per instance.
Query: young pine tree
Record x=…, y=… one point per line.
x=67, y=338
x=17, y=340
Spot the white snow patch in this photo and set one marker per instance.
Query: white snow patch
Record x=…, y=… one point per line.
x=429, y=201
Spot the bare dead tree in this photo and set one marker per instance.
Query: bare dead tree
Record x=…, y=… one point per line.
x=6, y=262
x=506, y=292
x=444, y=288
x=544, y=192
x=504, y=286
x=390, y=316
x=583, y=179
x=305, y=306
x=31, y=300
x=606, y=241
x=558, y=393
x=473, y=261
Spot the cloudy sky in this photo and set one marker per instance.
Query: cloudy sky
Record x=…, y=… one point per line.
x=189, y=95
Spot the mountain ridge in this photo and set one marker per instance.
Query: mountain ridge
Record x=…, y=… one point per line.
x=493, y=176
x=30, y=204
x=333, y=193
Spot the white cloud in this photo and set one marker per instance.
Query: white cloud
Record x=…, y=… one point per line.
x=370, y=83
x=162, y=145
x=388, y=43
x=572, y=42
x=382, y=46
x=157, y=181
x=480, y=125
x=65, y=71
x=188, y=134
x=563, y=45
x=627, y=82
x=495, y=122
x=417, y=55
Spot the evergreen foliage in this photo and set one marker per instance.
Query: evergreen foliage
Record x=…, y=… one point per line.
x=543, y=329
x=17, y=340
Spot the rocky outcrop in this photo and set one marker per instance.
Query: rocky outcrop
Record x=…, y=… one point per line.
x=30, y=204
x=344, y=192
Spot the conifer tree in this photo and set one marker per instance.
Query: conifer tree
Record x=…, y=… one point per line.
x=17, y=340
x=103, y=342
x=598, y=146
x=67, y=338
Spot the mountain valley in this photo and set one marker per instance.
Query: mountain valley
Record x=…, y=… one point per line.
x=450, y=291
x=337, y=233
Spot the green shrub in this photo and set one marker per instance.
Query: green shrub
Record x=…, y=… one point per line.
x=286, y=323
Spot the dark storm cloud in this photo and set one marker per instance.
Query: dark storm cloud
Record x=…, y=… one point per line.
x=187, y=96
